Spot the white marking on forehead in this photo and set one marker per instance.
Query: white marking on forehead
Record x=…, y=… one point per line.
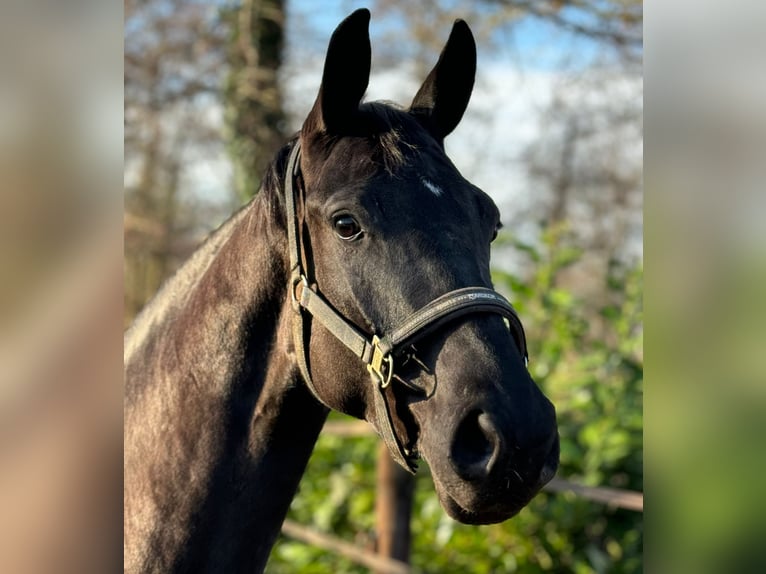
x=432, y=187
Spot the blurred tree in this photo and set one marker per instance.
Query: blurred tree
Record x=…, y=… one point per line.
x=173, y=57
x=616, y=25
x=255, y=118
x=394, y=496
x=585, y=167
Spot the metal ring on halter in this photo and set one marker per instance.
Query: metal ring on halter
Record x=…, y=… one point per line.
x=297, y=280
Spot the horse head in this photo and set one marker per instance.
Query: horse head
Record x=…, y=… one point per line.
x=386, y=225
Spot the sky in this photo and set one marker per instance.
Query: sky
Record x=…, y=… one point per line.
x=533, y=43
x=513, y=87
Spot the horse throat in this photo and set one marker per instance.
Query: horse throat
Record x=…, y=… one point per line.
x=218, y=427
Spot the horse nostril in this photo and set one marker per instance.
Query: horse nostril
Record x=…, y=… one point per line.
x=550, y=464
x=475, y=446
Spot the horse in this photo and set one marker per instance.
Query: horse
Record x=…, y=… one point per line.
x=357, y=279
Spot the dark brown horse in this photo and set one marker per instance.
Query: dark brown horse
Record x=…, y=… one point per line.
x=356, y=280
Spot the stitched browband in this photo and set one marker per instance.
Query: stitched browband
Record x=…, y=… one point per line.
x=379, y=354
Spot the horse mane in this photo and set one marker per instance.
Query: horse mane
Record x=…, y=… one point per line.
x=172, y=293
x=175, y=290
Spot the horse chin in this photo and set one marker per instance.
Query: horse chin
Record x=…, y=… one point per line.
x=487, y=511
x=457, y=512
x=464, y=504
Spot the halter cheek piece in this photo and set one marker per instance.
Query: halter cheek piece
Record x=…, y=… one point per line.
x=379, y=353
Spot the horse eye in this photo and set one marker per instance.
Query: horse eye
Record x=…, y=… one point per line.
x=346, y=227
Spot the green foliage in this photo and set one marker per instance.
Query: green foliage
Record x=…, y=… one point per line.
x=337, y=494
x=588, y=359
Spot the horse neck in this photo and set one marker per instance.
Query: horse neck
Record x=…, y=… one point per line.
x=218, y=427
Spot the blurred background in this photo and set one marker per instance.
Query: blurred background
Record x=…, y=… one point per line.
x=559, y=85
x=554, y=133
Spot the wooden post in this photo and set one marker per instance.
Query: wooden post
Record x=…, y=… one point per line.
x=393, y=507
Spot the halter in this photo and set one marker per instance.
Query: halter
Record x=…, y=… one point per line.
x=380, y=354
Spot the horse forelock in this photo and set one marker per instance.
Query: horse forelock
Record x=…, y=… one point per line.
x=382, y=135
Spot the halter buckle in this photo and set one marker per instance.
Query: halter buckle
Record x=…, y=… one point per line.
x=381, y=365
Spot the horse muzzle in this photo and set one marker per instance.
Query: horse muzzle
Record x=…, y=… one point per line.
x=489, y=478
x=488, y=433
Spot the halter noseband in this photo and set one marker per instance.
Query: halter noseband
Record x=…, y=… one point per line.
x=378, y=353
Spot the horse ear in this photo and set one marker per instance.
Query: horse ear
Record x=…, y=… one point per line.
x=443, y=97
x=345, y=77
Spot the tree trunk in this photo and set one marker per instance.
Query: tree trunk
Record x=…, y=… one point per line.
x=393, y=507
x=255, y=118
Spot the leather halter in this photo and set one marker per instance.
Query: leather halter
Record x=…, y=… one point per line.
x=379, y=353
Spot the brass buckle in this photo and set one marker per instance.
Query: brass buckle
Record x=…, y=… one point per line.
x=378, y=362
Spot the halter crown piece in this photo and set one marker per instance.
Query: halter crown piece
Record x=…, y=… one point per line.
x=378, y=353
